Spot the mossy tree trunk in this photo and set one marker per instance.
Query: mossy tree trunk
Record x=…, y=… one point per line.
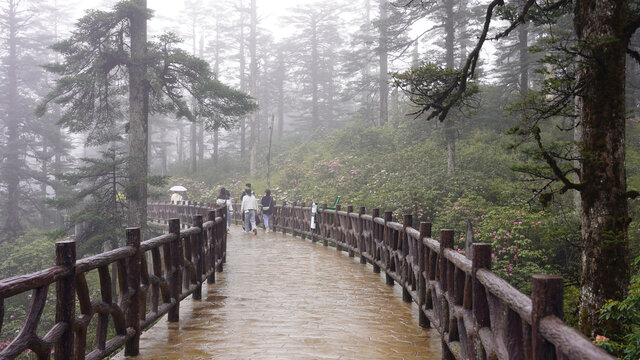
x=139, y=117
x=600, y=26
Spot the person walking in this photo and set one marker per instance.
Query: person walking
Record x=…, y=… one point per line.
x=267, y=208
x=247, y=190
x=248, y=209
x=229, y=209
x=224, y=199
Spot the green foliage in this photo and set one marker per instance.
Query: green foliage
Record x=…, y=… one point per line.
x=517, y=239
x=30, y=252
x=93, y=81
x=99, y=201
x=430, y=85
x=625, y=341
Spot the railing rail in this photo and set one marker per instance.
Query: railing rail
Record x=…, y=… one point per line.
x=152, y=277
x=478, y=314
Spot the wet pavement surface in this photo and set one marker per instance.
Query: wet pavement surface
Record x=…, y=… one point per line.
x=281, y=297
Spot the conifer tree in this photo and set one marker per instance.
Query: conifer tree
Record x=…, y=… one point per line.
x=108, y=57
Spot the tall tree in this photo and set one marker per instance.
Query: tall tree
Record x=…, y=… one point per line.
x=26, y=156
x=138, y=115
x=12, y=161
x=595, y=74
x=91, y=90
x=383, y=79
x=314, y=47
x=243, y=79
x=253, y=76
x=195, y=11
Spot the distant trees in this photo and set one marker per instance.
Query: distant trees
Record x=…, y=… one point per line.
x=31, y=149
x=316, y=39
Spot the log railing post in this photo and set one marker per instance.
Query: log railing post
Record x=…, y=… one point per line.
x=283, y=214
x=293, y=222
x=302, y=223
x=174, y=278
x=325, y=225
x=446, y=242
x=197, y=256
x=66, y=298
x=349, y=227
x=375, y=213
x=134, y=263
x=359, y=235
x=481, y=259
x=220, y=242
x=425, y=232
x=546, y=299
x=211, y=261
x=336, y=229
x=388, y=216
x=404, y=255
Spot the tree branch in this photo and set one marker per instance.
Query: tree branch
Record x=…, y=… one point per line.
x=634, y=54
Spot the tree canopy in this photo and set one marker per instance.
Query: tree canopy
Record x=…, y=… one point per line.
x=92, y=86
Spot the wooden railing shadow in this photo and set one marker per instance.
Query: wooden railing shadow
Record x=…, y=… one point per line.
x=153, y=276
x=478, y=314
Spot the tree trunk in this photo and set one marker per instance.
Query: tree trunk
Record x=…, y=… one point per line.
x=523, y=50
x=138, y=121
x=193, y=144
x=201, y=125
x=193, y=140
x=383, y=81
x=216, y=145
x=449, y=125
x=243, y=84
x=315, y=73
x=605, y=219
x=281, y=76
x=253, y=140
x=43, y=185
x=180, y=142
x=12, y=165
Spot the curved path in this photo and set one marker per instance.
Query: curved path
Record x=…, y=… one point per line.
x=281, y=297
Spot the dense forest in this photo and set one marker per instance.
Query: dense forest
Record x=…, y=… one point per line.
x=518, y=117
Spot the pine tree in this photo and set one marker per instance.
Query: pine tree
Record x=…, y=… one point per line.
x=108, y=56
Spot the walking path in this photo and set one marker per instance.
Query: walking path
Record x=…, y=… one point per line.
x=281, y=297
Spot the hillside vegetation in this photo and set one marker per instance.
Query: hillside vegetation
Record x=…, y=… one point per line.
x=402, y=167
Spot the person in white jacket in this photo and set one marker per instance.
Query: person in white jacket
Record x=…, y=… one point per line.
x=248, y=209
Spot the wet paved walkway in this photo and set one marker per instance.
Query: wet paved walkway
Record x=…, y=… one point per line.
x=281, y=297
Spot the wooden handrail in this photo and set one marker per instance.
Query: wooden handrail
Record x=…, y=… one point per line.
x=152, y=278
x=478, y=314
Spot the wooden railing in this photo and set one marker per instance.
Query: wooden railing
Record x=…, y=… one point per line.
x=478, y=314
x=153, y=276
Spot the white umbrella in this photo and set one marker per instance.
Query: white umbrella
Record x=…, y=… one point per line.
x=178, y=188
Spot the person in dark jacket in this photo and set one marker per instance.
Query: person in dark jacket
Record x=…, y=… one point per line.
x=267, y=208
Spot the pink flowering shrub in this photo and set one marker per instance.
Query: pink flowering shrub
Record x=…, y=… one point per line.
x=516, y=238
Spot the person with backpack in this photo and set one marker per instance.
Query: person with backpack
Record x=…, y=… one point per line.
x=267, y=208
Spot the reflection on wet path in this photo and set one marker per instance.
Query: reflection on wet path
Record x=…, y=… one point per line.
x=281, y=297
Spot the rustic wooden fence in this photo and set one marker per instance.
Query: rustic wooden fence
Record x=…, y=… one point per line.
x=479, y=315
x=153, y=276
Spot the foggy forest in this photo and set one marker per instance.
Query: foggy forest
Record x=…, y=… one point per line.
x=512, y=122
